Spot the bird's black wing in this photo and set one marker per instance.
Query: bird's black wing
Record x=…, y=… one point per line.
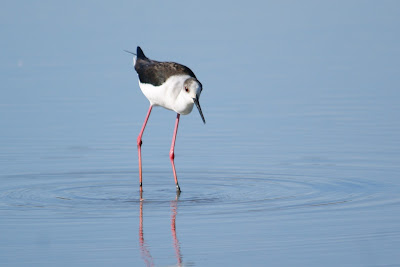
x=155, y=72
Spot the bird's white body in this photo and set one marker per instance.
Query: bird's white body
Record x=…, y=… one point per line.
x=169, y=95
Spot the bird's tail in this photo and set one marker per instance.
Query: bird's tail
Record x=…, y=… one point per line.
x=140, y=53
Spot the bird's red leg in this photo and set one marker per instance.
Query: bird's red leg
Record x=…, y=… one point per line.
x=171, y=152
x=139, y=146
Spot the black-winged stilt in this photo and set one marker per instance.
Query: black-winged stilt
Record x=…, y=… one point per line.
x=169, y=85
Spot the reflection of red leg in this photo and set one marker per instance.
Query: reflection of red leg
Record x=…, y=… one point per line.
x=144, y=251
x=139, y=145
x=173, y=230
x=171, y=152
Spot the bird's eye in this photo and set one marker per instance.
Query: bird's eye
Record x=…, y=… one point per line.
x=186, y=89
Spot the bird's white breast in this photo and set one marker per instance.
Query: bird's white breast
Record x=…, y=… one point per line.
x=166, y=94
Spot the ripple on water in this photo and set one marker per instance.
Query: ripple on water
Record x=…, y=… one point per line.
x=225, y=191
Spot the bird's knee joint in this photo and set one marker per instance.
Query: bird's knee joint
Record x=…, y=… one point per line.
x=171, y=155
x=139, y=141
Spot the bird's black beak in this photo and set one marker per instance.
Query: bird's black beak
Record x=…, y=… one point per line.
x=196, y=101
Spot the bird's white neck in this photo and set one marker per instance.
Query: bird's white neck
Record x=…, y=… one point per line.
x=182, y=104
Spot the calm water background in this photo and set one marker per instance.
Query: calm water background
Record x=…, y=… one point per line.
x=298, y=164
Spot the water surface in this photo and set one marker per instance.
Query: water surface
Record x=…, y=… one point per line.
x=298, y=164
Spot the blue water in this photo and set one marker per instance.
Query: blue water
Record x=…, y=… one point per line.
x=298, y=164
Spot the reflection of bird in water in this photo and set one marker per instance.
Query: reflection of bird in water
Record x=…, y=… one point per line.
x=144, y=248
x=177, y=247
x=169, y=85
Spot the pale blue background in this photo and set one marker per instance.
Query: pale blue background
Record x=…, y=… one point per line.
x=298, y=163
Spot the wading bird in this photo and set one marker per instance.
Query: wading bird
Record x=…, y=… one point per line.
x=169, y=85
